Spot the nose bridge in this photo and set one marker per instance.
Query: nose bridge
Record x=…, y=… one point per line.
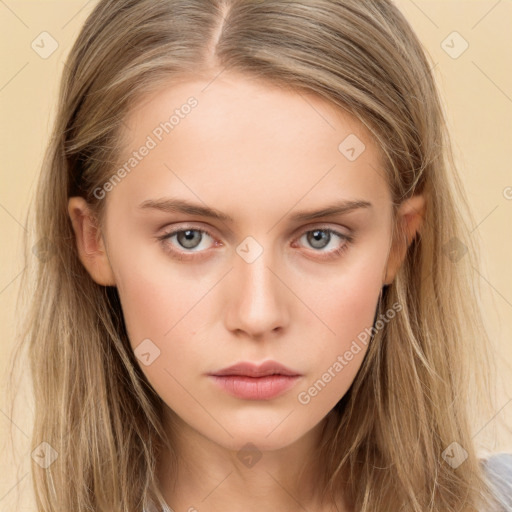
x=257, y=302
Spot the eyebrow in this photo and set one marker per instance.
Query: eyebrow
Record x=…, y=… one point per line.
x=169, y=205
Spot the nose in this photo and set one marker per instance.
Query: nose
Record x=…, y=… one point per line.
x=256, y=299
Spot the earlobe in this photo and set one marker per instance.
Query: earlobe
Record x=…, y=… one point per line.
x=89, y=242
x=410, y=217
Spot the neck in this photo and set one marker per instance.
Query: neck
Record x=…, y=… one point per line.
x=210, y=477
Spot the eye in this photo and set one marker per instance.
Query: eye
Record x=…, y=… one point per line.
x=181, y=241
x=322, y=238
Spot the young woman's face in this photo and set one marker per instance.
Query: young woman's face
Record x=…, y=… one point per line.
x=259, y=280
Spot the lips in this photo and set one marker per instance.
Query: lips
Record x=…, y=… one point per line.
x=249, y=369
x=249, y=381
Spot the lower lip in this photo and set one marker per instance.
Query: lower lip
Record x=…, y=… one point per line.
x=255, y=388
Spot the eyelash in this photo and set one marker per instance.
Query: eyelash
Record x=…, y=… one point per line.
x=183, y=255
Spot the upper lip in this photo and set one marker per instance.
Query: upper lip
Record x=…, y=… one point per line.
x=257, y=370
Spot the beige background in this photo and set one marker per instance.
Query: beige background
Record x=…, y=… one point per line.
x=477, y=88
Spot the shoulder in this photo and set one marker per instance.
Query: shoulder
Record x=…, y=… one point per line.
x=498, y=469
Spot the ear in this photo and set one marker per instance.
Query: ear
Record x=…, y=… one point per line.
x=89, y=242
x=410, y=217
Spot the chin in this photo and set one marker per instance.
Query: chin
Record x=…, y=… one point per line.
x=247, y=441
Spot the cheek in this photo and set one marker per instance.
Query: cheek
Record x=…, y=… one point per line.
x=345, y=298
x=164, y=306
x=161, y=312
x=350, y=306
x=159, y=302
x=346, y=305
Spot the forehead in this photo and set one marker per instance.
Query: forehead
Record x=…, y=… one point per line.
x=225, y=104
x=233, y=135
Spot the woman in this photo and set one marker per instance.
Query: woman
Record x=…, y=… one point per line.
x=258, y=292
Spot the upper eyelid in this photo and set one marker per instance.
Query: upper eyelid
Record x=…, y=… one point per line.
x=304, y=229
x=173, y=231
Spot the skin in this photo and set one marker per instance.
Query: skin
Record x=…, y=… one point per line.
x=259, y=154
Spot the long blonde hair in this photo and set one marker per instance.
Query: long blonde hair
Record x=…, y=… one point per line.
x=426, y=374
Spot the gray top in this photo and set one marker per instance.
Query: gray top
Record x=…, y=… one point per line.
x=498, y=467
